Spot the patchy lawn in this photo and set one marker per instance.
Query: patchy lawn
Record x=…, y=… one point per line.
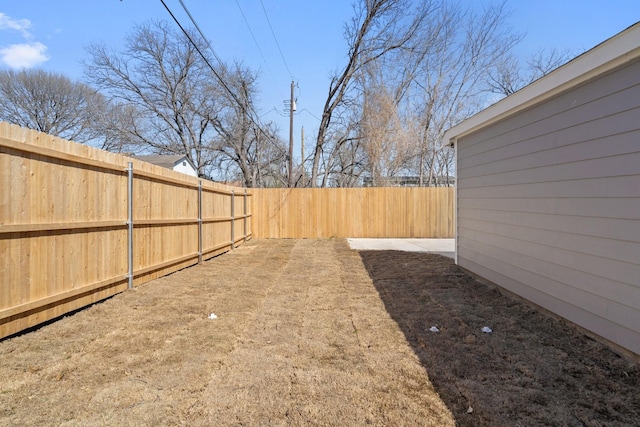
x=309, y=332
x=531, y=370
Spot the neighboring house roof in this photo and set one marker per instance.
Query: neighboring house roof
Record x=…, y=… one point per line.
x=167, y=161
x=618, y=50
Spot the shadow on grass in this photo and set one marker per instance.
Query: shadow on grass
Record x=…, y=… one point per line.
x=532, y=369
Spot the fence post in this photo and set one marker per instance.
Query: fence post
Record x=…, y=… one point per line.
x=130, y=222
x=233, y=217
x=199, y=221
x=245, y=215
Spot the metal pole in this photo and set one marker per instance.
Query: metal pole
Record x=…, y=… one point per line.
x=233, y=226
x=200, y=221
x=292, y=108
x=130, y=221
x=245, y=215
x=302, y=156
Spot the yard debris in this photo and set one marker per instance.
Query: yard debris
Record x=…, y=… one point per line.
x=434, y=329
x=470, y=410
x=486, y=329
x=213, y=316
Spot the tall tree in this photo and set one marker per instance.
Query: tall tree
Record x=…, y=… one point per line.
x=52, y=103
x=384, y=141
x=414, y=69
x=161, y=76
x=377, y=28
x=179, y=104
x=254, y=149
x=450, y=82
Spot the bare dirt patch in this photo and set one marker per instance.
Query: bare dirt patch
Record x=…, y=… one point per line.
x=531, y=370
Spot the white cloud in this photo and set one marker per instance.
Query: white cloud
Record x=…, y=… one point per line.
x=21, y=55
x=22, y=25
x=25, y=55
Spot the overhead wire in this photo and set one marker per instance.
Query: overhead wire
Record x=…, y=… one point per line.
x=276, y=40
x=184, y=6
x=246, y=22
x=224, y=85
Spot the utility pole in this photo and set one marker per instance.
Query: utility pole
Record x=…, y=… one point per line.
x=302, y=154
x=292, y=108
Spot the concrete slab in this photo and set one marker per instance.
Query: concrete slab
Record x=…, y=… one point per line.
x=444, y=247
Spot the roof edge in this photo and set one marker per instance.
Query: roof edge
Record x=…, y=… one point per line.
x=608, y=55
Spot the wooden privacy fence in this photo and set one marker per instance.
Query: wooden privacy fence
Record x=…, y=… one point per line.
x=78, y=224
x=417, y=212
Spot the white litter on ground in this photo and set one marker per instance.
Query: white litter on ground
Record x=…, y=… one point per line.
x=486, y=329
x=434, y=329
x=212, y=316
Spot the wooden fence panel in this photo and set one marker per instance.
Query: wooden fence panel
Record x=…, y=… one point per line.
x=64, y=225
x=383, y=212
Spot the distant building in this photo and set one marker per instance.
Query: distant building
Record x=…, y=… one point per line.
x=178, y=163
x=408, y=181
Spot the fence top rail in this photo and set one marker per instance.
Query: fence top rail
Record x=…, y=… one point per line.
x=158, y=175
x=60, y=155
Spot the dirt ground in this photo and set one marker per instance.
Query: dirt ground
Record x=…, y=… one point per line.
x=308, y=332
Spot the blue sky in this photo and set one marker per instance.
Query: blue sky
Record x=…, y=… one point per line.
x=52, y=35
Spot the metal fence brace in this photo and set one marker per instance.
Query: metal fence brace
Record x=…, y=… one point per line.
x=199, y=221
x=246, y=217
x=130, y=222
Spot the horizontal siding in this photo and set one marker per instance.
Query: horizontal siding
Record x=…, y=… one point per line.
x=614, y=208
x=591, y=147
x=549, y=205
x=537, y=121
x=562, y=168
x=580, y=244
x=618, y=186
x=606, y=228
x=569, y=266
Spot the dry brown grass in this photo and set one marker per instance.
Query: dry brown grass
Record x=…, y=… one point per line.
x=311, y=333
x=302, y=338
x=532, y=370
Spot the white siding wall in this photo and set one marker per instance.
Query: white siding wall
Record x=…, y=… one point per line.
x=186, y=168
x=549, y=205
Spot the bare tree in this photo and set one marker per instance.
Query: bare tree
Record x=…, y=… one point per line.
x=254, y=150
x=161, y=75
x=508, y=76
x=413, y=70
x=449, y=85
x=385, y=141
x=178, y=104
x=378, y=27
x=51, y=103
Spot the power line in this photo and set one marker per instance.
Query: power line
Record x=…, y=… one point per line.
x=224, y=85
x=276, y=40
x=310, y=113
x=244, y=18
x=186, y=33
x=197, y=28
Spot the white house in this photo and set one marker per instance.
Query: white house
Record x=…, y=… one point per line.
x=178, y=163
x=548, y=191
